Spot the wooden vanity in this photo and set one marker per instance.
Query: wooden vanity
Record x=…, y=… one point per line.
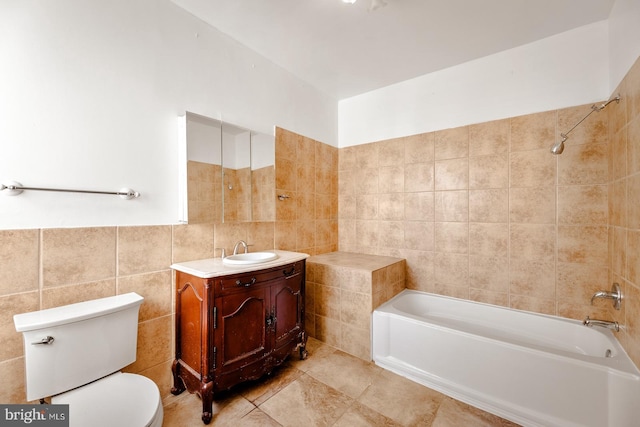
x=235, y=324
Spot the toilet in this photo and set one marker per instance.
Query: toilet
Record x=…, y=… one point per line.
x=74, y=354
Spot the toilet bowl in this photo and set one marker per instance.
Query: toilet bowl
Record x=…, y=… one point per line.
x=74, y=353
x=121, y=399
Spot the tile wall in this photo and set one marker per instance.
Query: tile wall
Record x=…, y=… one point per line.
x=306, y=173
x=343, y=289
x=484, y=212
x=624, y=207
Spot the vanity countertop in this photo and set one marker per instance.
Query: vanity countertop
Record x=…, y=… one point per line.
x=214, y=267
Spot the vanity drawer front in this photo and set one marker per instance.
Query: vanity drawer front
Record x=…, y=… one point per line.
x=257, y=278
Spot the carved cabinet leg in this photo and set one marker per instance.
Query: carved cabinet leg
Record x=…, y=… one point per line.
x=206, y=394
x=303, y=347
x=178, y=384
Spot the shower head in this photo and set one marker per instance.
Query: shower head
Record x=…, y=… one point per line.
x=558, y=147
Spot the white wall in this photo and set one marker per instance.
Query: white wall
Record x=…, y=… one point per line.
x=89, y=96
x=624, y=32
x=564, y=70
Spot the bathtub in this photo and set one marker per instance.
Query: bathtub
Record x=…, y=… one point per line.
x=532, y=369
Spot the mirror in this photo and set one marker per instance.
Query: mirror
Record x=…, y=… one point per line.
x=263, y=177
x=227, y=172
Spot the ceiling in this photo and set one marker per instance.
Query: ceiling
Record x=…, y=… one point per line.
x=348, y=49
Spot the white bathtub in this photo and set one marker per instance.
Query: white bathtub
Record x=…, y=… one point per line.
x=532, y=369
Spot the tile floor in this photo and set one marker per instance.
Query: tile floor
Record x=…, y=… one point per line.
x=330, y=388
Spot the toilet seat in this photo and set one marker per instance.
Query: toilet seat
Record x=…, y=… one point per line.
x=120, y=399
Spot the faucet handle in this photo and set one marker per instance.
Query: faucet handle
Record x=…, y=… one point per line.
x=223, y=253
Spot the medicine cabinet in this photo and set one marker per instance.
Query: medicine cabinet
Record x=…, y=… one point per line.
x=227, y=172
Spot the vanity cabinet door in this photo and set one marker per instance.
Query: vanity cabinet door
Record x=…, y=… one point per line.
x=287, y=307
x=240, y=336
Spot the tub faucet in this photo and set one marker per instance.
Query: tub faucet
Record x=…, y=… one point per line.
x=244, y=245
x=603, y=323
x=615, y=295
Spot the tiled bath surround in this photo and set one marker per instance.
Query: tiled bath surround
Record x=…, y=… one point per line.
x=484, y=212
x=343, y=289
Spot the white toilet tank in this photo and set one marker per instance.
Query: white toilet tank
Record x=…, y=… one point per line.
x=86, y=341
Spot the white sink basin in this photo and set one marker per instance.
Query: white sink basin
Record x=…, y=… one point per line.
x=249, y=258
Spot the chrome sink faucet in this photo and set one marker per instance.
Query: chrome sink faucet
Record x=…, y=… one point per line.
x=603, y=323
x=238, y=243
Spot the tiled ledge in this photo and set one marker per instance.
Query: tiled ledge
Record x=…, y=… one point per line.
x=343, y=289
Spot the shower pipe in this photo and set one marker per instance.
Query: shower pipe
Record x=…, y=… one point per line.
x=14, y=188
x=558, y=147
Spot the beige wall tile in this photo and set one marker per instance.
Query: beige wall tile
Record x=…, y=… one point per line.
x=76, y=255
x=142, y=249
x=391, y=234
x=532, y=242
x=10, y=305
x=533, y=279
x=391, y=206
x=355, y=309
x=593, y=130
x=535, y=168
x=367, y=156
x=367, y=206
x=489, y=171
x=356, y=341
x=328, y=301
x=154, y=344
x=452, y=237
x=418, y=177
x=367, y=181
x=452, y=143
x=583, y=164
x=582, y=244
x=155, y=288
x=419, y=206
x=451, y=268
x=489, y=239
x=305, y=151
x=452, y=206
x=489, y=205
x=193, y=242
x=535, y=205
x=328, y=330
x=489, y=138
x=391, y=179
x=19, y=260
x=452, y=174
x=633, y=148
x=419, y=148
x=306, y=178
x=583, y=204
x=490, y=273
x=533, y=131
x=618, y=203
x=391, y=152
x=489, y=297
x=64, y=295
x=419, y=235
x=537, y=305
x=13, y=385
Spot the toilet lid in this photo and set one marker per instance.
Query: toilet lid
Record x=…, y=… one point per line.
x=124, y=400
